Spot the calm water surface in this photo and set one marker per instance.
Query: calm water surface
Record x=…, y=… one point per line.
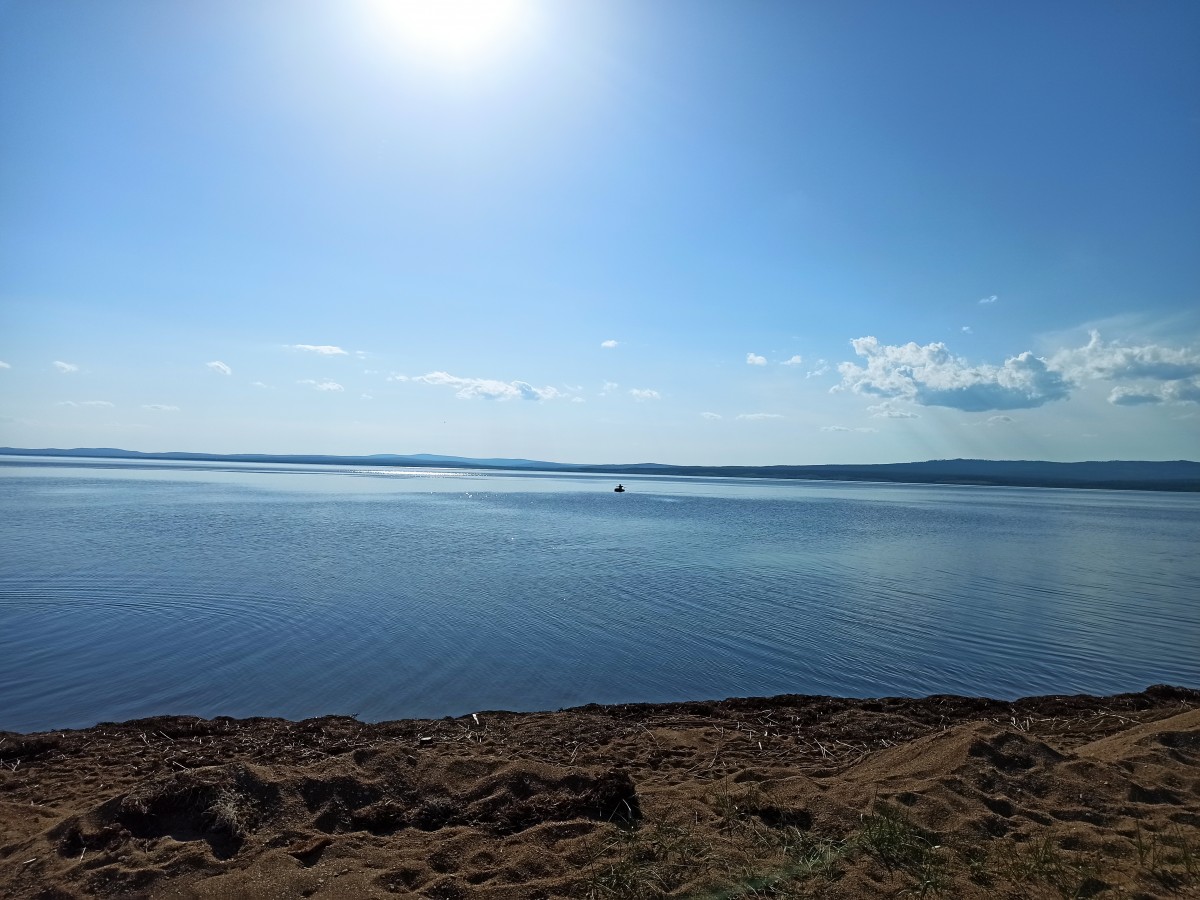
x=133, y=589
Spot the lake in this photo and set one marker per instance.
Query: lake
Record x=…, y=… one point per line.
x=131, y=589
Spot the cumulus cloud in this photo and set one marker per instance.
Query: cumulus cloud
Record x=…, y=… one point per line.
x=758, y=417
x=65, y=367
x=1123, y=396
x=1113, y=360
x=487, y=388
x=930, y=375
x=710, y=415
x=322, y=349
x=794, y=361
x=644, y=394
x=217, y=366
x=321, y=385
x=753, y=359
x=160, y=407
x=1175, y=391
x=986, y=301
x=608, y=345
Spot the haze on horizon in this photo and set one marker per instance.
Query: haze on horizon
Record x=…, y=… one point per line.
x=682, y=232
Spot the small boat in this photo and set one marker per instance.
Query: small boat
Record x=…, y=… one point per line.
x=619, y=489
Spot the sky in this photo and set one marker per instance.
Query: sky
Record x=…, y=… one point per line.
x=709, y=232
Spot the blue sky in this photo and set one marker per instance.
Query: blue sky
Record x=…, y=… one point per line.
x=684, y=231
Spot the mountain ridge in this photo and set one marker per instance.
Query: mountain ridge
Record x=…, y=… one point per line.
x=1158, y=475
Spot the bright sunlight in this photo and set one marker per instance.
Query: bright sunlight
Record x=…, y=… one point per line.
x=456, y=32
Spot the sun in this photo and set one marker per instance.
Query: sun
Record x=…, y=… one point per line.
x=455, y=32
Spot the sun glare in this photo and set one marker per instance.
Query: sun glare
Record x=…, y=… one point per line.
x=458, y=32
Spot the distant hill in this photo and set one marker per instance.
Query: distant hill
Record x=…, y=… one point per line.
x=1175, y=475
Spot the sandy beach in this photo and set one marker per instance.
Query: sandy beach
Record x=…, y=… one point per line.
x=791, y=796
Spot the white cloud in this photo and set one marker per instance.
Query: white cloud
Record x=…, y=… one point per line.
x=758, y=417
x=794, y=361
x=396, y=376
x=217, y=366
x=322, y=349
x=488, y=389
x=711, y=415
x=578, y=400
x=92, y=403
x=966, y=329
x=1175, y=391
x=644, y=394
x=930, y=375
x=608, y=387
x=322, y=385
x=822, y=368
x=65, y=367
x=4, y=365
x=368, y=397
x=887, y=410
x=160, y=407
x=1098, y=359
x=608, y=345
x=988, y=300
x=361, y=354
x=259, y=384
x=753, y=359
x=844, y=428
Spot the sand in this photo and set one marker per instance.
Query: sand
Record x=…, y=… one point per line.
x=787, y=796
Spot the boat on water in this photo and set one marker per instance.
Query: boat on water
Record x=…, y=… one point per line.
x=619, y=489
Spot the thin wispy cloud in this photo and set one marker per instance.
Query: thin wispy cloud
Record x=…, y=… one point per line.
x=92, y=403
x=609, y=344
x=4, y=365
x=488, y=388
x=260, y=384
x=644, y=394
x=753, y=359
x=321, y=385
x=967, y=329
x=758, y=417
x=217, y=366
x=822, y=368
x=794, y=361
x=994, y=421
x=987, y=301
x=886, y=410
x=65, y=367
x=320, y=349
x=710, y=415
x=843, y=428
x=160, y=407
x=609, y=387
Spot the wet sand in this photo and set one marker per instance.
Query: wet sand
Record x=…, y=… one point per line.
x=787, y=796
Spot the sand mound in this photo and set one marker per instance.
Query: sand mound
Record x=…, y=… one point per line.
x=790, y=796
